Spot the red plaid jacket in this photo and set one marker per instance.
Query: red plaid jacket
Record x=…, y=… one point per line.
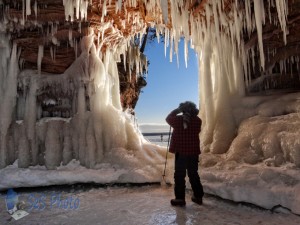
x=184, y=141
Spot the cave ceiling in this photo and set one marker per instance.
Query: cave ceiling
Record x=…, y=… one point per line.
x=50, y=27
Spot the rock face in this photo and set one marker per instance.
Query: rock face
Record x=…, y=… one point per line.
x=130, y=88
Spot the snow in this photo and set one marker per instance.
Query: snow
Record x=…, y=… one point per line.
x=151, y=204
x=145, y=205
x=265, y=183
x=119, y=166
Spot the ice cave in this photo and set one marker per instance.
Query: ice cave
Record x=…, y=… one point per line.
x=71, y=73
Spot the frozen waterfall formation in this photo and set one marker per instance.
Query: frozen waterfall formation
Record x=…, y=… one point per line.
x=97, y=123
x=234, y=62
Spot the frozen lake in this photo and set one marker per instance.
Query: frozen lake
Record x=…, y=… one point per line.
x=127, y=205
x=160, y=138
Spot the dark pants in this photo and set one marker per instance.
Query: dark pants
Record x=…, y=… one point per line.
x=187, y=163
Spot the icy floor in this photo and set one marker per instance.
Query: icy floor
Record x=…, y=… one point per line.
x=137, y=206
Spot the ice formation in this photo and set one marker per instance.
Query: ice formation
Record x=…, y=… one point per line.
x=97, y=124
x=92, y=81
x=8, y=75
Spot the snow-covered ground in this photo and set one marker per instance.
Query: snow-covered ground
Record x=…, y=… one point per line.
x=267, y=187
x=137, y=206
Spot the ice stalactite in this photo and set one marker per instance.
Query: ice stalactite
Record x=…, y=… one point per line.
x=35, y=8
x=219, y=81
x=164, y=9
x=28, y=8
x=282, y=11
x=80, y=7
x=23, y=13
x=119, y=5
x=104, y=10
x=206, y=97
x=258, y=6
x=40, y=57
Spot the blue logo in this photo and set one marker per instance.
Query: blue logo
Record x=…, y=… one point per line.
x=54, y=201
x=40, y=201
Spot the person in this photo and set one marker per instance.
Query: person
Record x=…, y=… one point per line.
x=185, y=144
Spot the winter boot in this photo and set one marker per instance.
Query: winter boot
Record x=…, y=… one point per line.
x=197, y=200
x=178, y=202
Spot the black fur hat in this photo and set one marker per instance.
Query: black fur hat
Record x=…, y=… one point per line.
x=189, y=107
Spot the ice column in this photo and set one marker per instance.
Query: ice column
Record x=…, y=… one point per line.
x=30, y=119
x=9, y=93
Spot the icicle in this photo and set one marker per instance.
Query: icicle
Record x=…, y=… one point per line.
x=164, y=9
x=28, y=8
x=166, y=44
x=51, y=53
x=119, y=5
x=69, y=9
x=248, y=16
x=297, y=62
x=186, y=52
x=79, y=27
x=104, y=11
x=258, y=19
x=35, y=9
x=40, y=57
x=83, y=10
x=77, y=8
x=263, y=13
x=76, y=48
x=23, y=13
x=281, y=7
x=70, y=37
x=171, y=48
x=281, y=64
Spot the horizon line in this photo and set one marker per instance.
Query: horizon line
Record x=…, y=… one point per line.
x=153, y=124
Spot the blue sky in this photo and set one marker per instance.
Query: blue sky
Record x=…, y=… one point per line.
x=167, y=85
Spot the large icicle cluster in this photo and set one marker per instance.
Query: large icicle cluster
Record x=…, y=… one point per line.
x=80, y=7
